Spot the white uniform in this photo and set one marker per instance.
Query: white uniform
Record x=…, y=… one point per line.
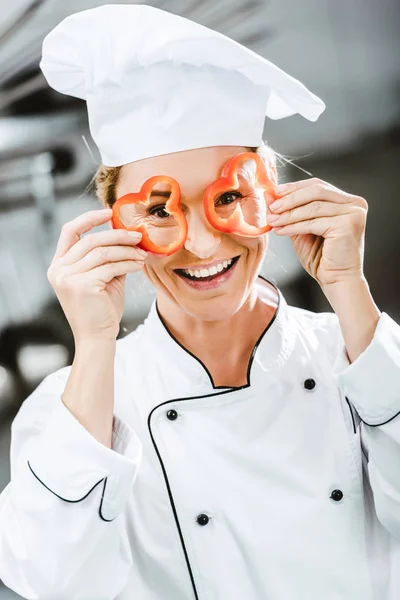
x=252, y=493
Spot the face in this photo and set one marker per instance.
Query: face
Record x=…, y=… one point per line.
x=232, y=262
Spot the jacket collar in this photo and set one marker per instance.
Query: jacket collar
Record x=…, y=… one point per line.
x=269, y=354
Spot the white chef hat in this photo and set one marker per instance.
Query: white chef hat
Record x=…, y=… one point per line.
x=156, y=83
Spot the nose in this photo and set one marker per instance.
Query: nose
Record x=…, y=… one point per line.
x=202, y=239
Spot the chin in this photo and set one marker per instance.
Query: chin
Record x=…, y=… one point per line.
x=221, y=302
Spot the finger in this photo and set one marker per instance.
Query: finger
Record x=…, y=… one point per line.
x=114, y=237
x=312, y=210
x=107, y=254
x=71, y=231
x=315, y=226
x=107, y=272
x=309, y=194
x=293, y=186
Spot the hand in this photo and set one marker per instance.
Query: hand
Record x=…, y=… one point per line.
x=326, y=226
x=88, y=274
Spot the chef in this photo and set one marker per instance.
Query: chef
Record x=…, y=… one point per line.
x=232, y=447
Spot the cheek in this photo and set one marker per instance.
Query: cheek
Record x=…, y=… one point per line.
x=155, y=263
x=253, y=246
x=156, y=267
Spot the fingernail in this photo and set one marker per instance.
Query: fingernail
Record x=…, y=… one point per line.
x=135, y=234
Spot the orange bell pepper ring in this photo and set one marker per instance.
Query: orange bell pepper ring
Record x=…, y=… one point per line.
x=235, y=223
x=172, y=207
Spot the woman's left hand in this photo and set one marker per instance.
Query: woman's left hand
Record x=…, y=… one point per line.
x=326, y=226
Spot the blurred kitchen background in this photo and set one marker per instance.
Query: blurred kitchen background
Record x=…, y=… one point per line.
x=346, y=51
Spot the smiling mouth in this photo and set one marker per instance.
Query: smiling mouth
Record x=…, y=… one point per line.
x=204, y=274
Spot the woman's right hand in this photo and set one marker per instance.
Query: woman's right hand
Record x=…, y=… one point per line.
x=88, y=274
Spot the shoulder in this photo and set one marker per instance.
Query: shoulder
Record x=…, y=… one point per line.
x=131, y=345
x=36, y=409
x=319, y=320
x=321, y=329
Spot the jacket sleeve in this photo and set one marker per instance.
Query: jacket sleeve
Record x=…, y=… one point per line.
x=62, y=532
x=372, y=385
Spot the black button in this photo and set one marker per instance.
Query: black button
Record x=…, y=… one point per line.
x=337, y=495
x=309, y=384
x=202, y=519
x=172, y=415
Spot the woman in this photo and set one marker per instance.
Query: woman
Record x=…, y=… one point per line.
x=232, y=446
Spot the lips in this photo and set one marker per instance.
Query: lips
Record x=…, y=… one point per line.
x=213, y=272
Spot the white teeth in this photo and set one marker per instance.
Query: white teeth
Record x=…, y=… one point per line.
x=208, y=272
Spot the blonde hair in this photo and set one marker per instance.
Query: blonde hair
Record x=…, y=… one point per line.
x=105, y=179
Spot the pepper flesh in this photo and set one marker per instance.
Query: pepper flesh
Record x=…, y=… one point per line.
x=235, y=223
x=172, y=207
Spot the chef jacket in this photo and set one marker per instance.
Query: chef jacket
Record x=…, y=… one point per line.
x=287, y=488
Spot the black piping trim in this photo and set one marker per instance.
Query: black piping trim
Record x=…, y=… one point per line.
x=253, y=353
x=370, y=424
x=352, y=416
x=101, y=504
x=171, y=498
x=79, y=499
x=379, y=424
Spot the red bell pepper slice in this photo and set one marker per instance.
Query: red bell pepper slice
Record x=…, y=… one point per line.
x=235, y=223
x=172, y=207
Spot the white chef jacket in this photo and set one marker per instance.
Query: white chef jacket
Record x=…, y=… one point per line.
x=287, y=488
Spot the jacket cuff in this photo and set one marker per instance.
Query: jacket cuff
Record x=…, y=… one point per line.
x=372, y=382
x=71, y=463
